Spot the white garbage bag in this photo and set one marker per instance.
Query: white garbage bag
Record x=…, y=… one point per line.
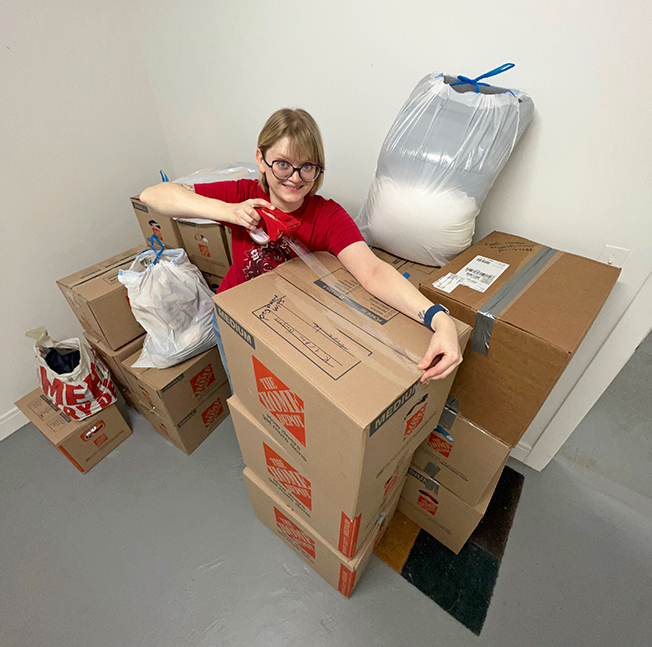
x=172, y=302
x=233, y=171
x=441, y=156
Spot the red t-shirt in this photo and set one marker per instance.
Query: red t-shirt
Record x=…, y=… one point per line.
x=325, y=226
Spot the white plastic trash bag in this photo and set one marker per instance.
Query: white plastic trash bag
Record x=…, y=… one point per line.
x=172, y=302
x=233, y=171
x=441, y=156
x=72, y=375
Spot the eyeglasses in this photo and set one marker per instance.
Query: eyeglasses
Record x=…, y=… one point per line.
x=283, y=170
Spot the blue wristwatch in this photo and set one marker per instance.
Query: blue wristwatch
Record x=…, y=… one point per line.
x=431, y=312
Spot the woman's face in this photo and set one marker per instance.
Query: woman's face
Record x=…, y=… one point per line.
x=287, y=195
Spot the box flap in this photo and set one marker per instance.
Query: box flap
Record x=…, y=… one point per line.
x=53, y=423
x=558, y=304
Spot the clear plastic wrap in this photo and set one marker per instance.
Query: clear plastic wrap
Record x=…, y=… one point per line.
x=441, y=156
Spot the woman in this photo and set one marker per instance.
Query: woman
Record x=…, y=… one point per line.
x=290, y=158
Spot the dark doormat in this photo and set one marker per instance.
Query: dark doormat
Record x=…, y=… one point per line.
x=461, y=584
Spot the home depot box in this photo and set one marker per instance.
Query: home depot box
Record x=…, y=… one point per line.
x=463, y=457
x=440, y=512
x=212, y=280
x=205, y=245
x=83, y=442
x=315, y=501
x=343, y=573
x=197, y=425
x=100, y=301
x=530, y=307
x=156, y=224
x=329, y=371
x=114, y=358
x=415, y=273
x=177, y=390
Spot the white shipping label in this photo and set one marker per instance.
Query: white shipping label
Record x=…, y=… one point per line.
x=478, y=274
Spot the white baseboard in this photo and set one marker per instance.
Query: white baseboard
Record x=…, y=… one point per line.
x=11, y=421
x=520, y=452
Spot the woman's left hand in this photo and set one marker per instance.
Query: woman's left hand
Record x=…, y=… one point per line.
x=444, y=345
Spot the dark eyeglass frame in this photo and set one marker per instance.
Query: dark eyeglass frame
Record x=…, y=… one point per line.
x=320, y=170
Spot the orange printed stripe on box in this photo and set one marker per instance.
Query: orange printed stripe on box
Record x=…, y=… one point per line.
x=349, y=535
x=71, y=459
x=347, y=581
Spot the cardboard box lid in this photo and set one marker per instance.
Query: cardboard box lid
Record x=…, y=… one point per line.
x=326, y=337
x=560, y=302
x=53, y=423
x=100, y=268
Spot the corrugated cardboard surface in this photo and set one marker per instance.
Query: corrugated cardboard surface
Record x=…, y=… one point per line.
x=100, y=301
x=440, y=512
x=206, y=246
x=114, y=358
x=533, y=338
x=177, y=390
x=153, y=223
x=329, y=372
x=464, y=458
x=322, y=503
x=85, y=442
x=197, y=425
x=340, y=572
x=415, y=273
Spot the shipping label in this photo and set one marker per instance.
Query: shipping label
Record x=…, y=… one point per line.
x=280, y=401
x=288, y=477
x=294, y=534
x=478, y=274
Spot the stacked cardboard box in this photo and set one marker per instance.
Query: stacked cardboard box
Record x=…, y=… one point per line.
x=452, y=478
x=415, y=273
x=184, y=403
x=328, y=407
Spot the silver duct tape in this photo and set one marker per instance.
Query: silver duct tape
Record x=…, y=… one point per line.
x=450, y=412
x=495, y=304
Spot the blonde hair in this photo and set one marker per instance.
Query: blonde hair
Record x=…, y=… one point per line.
x=303, y=135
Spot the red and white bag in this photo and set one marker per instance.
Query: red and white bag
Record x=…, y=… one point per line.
x=87, y=389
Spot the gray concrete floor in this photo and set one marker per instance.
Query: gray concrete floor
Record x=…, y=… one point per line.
x=156, y=549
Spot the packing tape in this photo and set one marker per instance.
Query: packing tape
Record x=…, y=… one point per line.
x=449, y=414
x=495, y=304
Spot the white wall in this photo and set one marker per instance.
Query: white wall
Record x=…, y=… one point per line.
x=576, y=181
x=218, y=69
x=80, y=133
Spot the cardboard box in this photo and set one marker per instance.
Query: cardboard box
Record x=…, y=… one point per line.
x=340, y=572
x=415, y=273
x=440, y=512
x=329, y=371
x=83, y=442
x=320, y=503
x=205, y=245
x=463, y=457
x=538, y=305
x=213, y=281
x=114, y=358
x=154, y=223
x=198, y=424
x=174, y=392
x=100, y=301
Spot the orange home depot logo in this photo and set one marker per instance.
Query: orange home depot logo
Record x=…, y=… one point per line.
x=427, y=502
x=93, y=431
x=202, y=380
x=203, y=250
x=415, y=416
x=156, y=229
x=283, y=404
x=295, y=534
x=213, y=412
x=288, y=477
x=441, y=442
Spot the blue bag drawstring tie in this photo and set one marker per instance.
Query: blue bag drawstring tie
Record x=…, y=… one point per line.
x=164, y=176
x=475, y=82
x=154, y=238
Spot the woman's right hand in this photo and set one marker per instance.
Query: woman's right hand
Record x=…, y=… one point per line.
x=245, y=214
